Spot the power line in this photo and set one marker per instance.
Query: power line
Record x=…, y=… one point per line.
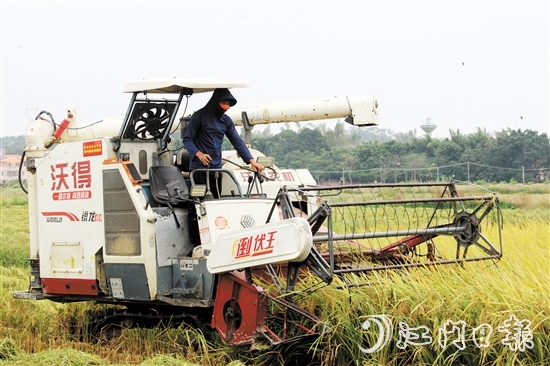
x=426, y=168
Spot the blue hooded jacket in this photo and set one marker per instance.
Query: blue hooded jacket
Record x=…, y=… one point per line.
x=206, y=130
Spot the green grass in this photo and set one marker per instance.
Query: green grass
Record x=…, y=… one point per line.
x=14, y=235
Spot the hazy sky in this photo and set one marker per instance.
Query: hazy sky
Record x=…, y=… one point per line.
x=463, y=64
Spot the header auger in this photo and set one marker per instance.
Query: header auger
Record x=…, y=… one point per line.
x=108, y=208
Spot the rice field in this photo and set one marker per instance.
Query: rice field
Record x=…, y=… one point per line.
x=484, y=313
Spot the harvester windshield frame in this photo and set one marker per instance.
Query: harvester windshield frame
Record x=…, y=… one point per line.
x=152, y=118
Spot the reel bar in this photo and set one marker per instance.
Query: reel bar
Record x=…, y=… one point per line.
x=412, y=200
x=385, y=234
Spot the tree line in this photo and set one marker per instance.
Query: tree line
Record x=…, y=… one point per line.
x=372, y=154
x=360, y=155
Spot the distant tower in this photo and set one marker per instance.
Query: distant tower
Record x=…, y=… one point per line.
x=429, y=126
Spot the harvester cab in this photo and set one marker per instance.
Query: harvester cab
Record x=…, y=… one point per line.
x=109, y=205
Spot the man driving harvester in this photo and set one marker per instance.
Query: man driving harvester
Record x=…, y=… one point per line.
x=203, y=140
x=204, y=135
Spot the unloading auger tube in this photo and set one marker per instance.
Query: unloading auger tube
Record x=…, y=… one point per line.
x=357, y=111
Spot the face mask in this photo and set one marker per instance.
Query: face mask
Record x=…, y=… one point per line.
x=225, y=107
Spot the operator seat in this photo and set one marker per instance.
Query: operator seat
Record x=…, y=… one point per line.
x=168, y=187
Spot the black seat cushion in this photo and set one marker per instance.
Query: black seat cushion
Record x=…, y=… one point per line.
x=161, y=176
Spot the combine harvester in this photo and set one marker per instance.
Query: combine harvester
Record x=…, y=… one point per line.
x=108, y=205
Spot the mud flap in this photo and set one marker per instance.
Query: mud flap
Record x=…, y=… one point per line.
x=240, y=309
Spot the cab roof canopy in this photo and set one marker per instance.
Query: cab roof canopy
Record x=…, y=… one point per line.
x=176, y=85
